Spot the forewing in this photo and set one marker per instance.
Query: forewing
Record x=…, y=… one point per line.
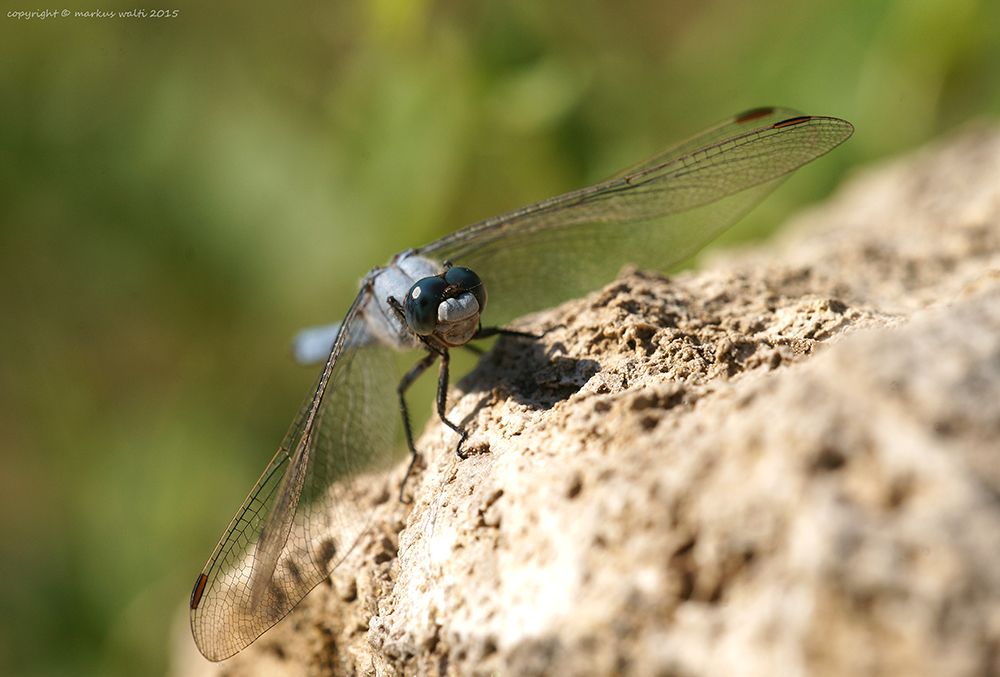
x=308, y=509
x=655, y=216
x=737, y=125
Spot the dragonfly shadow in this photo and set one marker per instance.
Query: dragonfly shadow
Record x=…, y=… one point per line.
x=533, y=372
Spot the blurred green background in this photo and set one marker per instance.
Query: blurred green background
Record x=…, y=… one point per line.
x=180, y=195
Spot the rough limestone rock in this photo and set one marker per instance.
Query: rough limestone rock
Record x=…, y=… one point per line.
x=788, y=464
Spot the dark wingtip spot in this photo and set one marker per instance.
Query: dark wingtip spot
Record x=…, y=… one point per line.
x=199, y=590
x=753, y=114
x=791, y=122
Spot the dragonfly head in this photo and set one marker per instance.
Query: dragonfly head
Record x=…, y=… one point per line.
x=446, y=306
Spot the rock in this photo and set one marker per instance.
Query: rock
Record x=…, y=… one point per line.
x=788, y=464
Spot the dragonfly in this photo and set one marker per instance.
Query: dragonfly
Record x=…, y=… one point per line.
x=307, y=512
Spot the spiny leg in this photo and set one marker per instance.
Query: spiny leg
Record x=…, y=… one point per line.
x=412, y=375
x=486, y=332
x=442, y=401
x=442, y=395
x=442, y=404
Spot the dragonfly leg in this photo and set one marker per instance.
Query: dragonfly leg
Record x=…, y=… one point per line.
x=412, y=375
x=442, y=402
x=486, y=332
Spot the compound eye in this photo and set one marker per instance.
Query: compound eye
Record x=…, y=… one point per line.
x=421, y=306
x=467, y=281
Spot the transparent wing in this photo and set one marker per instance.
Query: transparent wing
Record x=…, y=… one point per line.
x=654, y=215
x=307, y=510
